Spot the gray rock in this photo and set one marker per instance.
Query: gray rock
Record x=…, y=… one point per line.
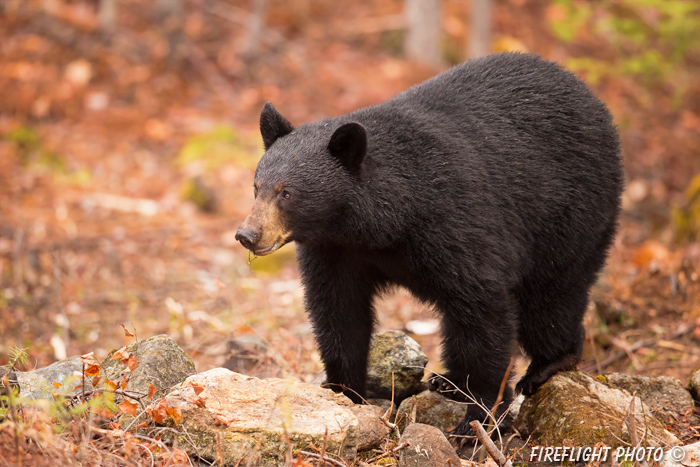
x=161, y=363
x=39, y=384
x=428, y=447
x=432, y=409
x=252, y=419
x=384, y=404
x=11, y=383
x=664, y=395
x=574, y=406
x=694, y=385
x=244, y=353
x=682, y=456
x=394, y=352
x=371, y=430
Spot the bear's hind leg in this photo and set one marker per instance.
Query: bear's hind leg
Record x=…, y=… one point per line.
x=551, y=333
x=477, y=346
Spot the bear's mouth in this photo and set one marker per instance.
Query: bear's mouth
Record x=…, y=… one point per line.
x=274, y=247
x=265, y=251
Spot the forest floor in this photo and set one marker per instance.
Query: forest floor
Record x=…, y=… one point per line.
x=123, y=179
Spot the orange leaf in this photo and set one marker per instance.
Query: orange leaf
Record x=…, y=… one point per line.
x=132, y=362
x=176, y=414
x=128, y=407
x=96, y=380
x=123, y=383
x=151, y=391
x=79, y=386
x=111, y=384
x=127, y=333
x=221, y=420
x=155, y=415
x=121, y=354
x=92, y=370
x=56, y=385
x=197, y=389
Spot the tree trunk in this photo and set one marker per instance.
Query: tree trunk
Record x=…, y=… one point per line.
x=424, y=27
x=480, y=30
x=255, y=31
x=107, y=15
x=171, y=17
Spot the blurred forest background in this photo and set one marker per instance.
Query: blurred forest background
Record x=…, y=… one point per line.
x=128, y=141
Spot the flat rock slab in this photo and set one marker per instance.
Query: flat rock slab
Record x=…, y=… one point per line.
x=577, y=407
x=665, y=396
x=428, y=446
x=252, y=421
x=433, y=409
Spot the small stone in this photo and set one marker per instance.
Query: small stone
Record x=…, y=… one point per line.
x=394, y=352
x=384, y=404
x=428, y=446
x=694, y=385
x=161, y=362
x=432, y=409
x=244, y=353
x=372, y=431
x=12, y=382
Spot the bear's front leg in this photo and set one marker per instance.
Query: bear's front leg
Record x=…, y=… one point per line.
x=339, y=295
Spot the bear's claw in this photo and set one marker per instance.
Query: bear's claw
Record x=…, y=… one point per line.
x=442, y=384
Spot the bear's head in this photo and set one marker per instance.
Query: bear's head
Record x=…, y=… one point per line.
x=304, y=182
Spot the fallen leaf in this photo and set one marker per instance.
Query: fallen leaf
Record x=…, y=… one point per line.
x=128, y=408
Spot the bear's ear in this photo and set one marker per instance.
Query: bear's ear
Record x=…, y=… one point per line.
x=349, y=145
x=273, y=125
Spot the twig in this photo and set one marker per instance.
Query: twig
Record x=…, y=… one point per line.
x=385, y=418
x=323, y=458
x=491, y=448
x=639, y=344
x=631, y=422
x=393, y=451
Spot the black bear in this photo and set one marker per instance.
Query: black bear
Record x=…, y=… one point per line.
x=490, y=191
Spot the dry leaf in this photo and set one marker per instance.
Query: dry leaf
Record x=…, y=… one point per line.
x=127, y=333
x=121, y=354
x=128, y=407
x=92, y=370
x=132, y=362
x=176, y=414
x=151, y=391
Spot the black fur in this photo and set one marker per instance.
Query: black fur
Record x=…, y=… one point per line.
x=490, y=191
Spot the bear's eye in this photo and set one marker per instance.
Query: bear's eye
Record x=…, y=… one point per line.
x=286, y=195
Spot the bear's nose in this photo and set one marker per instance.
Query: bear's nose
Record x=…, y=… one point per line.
x=248, y=237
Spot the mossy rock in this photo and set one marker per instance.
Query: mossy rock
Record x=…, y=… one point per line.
x=575, y=406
